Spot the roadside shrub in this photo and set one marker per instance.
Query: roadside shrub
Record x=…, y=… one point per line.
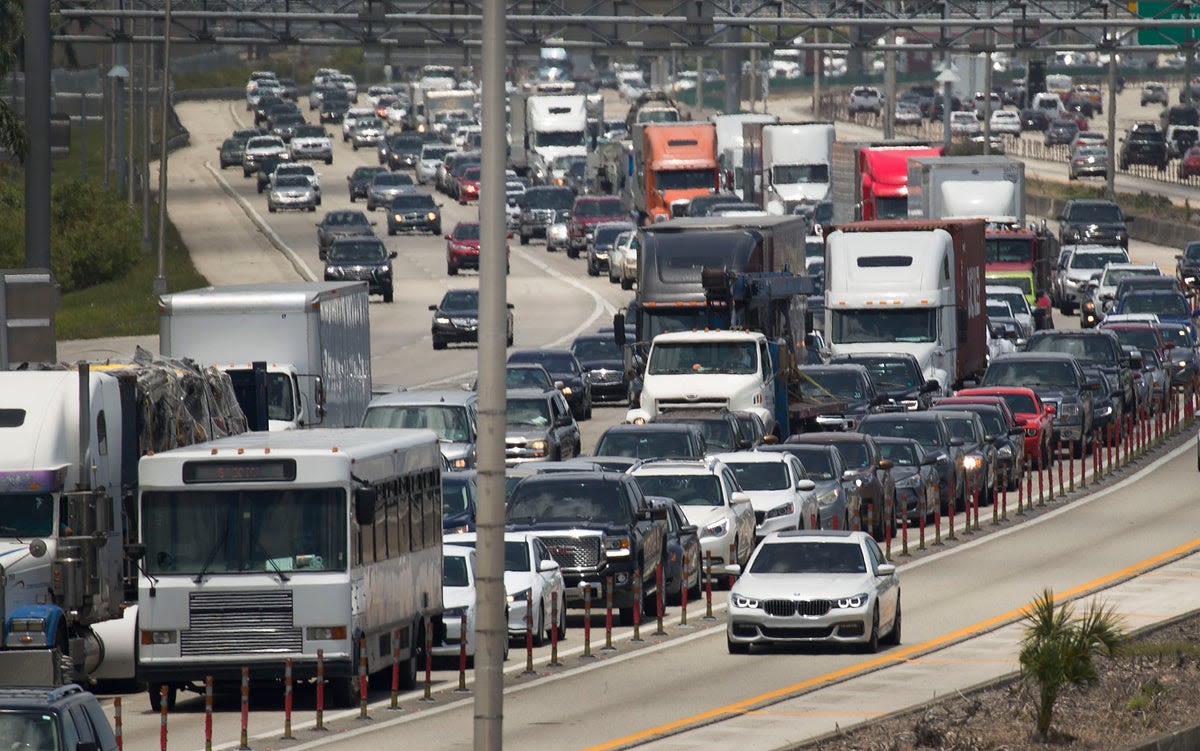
x=94, y=235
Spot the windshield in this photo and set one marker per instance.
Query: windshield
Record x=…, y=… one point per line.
x=292, y=181
x=435, y=153
x=549, y=199
x=1096, y=212
x=1016, y=301
x=244, y=531
x=870, y=326
x=658, y=321
x=528, y=412
x=855, y=454
x=1165, y=305
x=32, y=731
x=1032, y=373
x=1096, y=260
x=962, y=427
x=692, y=179
x=26, y=515
x=604, y=348
x=1180, y=335
x=687, y=490
x=357, y=252
x=822, y=385
x=568, y=500
x=598, y=208
x=391, y=180
x=646, y=444
x=1019, y=403
x=461, y=299
x=675, y=358
x=900, y=454
x=448, y=421
x=718, y=433
x=526, y=378
x=761, y=475
x=1140, y=338
x=809, y=558
x=457, y=492
x=790, y=174
x=891, y=208
x=924, y=432
x=561, y=138
x=414, y=201
x=466, y=232
x=889, y=374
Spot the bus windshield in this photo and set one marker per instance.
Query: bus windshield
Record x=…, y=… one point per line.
x=243, y=531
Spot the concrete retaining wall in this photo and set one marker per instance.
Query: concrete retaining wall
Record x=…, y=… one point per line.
x=1148, y=229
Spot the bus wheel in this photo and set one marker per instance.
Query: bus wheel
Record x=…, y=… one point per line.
x=408, y=667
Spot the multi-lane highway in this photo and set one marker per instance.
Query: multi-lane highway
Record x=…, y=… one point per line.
x=636, y=692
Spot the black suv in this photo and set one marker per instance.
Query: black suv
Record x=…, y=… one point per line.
x=540, y=206
x=898, y=376
x=1092, y=220
x=721, y=429
x=42, y=719
x=414, y=211
x=570, y=377
x=360, y=258
x=1144, y=143
x=652, y=441
x=1099, y=347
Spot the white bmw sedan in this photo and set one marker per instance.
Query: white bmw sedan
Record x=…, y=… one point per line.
x=815, y=586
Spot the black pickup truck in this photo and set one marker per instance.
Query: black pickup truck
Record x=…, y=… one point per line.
x=597, y=525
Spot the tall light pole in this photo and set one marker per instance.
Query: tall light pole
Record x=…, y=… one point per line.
x=160, y=279
x=118, y=74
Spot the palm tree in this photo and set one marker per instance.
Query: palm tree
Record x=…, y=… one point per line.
x=1058, y=649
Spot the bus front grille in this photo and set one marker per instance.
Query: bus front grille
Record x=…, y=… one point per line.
x=240, y=623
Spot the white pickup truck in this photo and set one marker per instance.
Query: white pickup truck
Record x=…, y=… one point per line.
x=865, y=99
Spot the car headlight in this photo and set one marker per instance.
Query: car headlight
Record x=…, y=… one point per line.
x=742, y=601
x=786, y=509
x=716, y=529
x=1070, y=410
x=537, y=445
x=443, y=320
x=827, y=498
x=1005, y=452
x=522, y=596
x=1183, y=363
x=1104, y=411
x=566, y=391
x=617, y=546
x=853, y=601
x=397, y=217
x=431, y=216
x=971, y=462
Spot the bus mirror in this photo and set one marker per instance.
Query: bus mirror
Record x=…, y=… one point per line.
x=364, y=506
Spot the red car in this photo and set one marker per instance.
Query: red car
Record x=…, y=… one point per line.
x=1189, y=165
x=1034, y=416
x=467, y=187
x=462, y=248
x=588, y=212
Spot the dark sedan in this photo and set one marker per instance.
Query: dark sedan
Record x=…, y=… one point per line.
x=897, y=376
x=931, y=431
x=565, y=369
x=682, y=567
x=231, y=152
x=359, y=181
x=456, y=318
x=360, y=259
x=601, y=358
x=875, y=486
x=914, y=470
x=342, y=224
x=1034, y=118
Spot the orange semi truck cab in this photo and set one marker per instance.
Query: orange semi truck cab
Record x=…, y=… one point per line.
x=673, y=163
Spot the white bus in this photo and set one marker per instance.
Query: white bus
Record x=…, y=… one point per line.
x=266, y=546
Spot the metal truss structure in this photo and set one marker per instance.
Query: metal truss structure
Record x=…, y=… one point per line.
x=973, y=26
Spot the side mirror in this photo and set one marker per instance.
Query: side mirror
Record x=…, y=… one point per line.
x=548, y=565
x=886, y=464
x=433, y=307
x=688, y=529
x=364, y=506
x=735, y=569
x=393, y=254
x=658, y=514
x=956, y=442
x=1051, y=409
x=135, y=551
x=739, y=496
x=619, y=329
x=928, y=460
x=885, y=569
x=323, y=255
x=806, y=485
x=931, y=387
x=849, y=475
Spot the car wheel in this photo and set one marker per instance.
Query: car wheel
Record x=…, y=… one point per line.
x=871, y=645
x=626, y=284
x=271, y=209
x=437, y=230
x=525, y=240
x=387, y=293
x=893, y=637
x=391, y=231
x=451, y=270
x=539, y=627
x=509, y=340
x=571, y=252
x=352, y=198
x=355, y=146
x=438, y=343
x=156, y=697
x=329, y=160
x=1070, y=175
x=736, y=648
x=625, y=615
x=591, y=268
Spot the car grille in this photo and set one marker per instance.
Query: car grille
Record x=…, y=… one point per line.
x=227, y=623
x=789, y=608
x=574, y=552
x=464, y=322
x=540, y=216
x=776, y=632
x=600, y=377
x=703, y=402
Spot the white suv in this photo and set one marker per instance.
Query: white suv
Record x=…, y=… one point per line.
x=780, y=492
x=709, y=495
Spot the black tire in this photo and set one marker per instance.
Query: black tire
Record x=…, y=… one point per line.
x=388, y=294
x=352, y=198
x=591, y=268
x=626, y=616
x=736, y=648
x=391, y=232
x=451, y=270
x=1068, y=308
x=437, y=230
x=259, y=187
x=626, y=284
x=525, y=240
x=538, y=625
x=893, y=637
x=509, y=341
x=571, y=252
x=329, y=160
x=438, y=343
x=871, y=645
x=271, y=209
x=172, y=695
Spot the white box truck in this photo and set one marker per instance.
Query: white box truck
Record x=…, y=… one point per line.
x=545, y=127
x=795, y=162
x=314, y=337
x=991, y=188
x=730, y=141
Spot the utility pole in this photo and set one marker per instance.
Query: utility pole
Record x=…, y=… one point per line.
x=160, y=278
x=37, y=115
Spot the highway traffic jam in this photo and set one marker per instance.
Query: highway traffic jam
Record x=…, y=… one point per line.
x=828, y=355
